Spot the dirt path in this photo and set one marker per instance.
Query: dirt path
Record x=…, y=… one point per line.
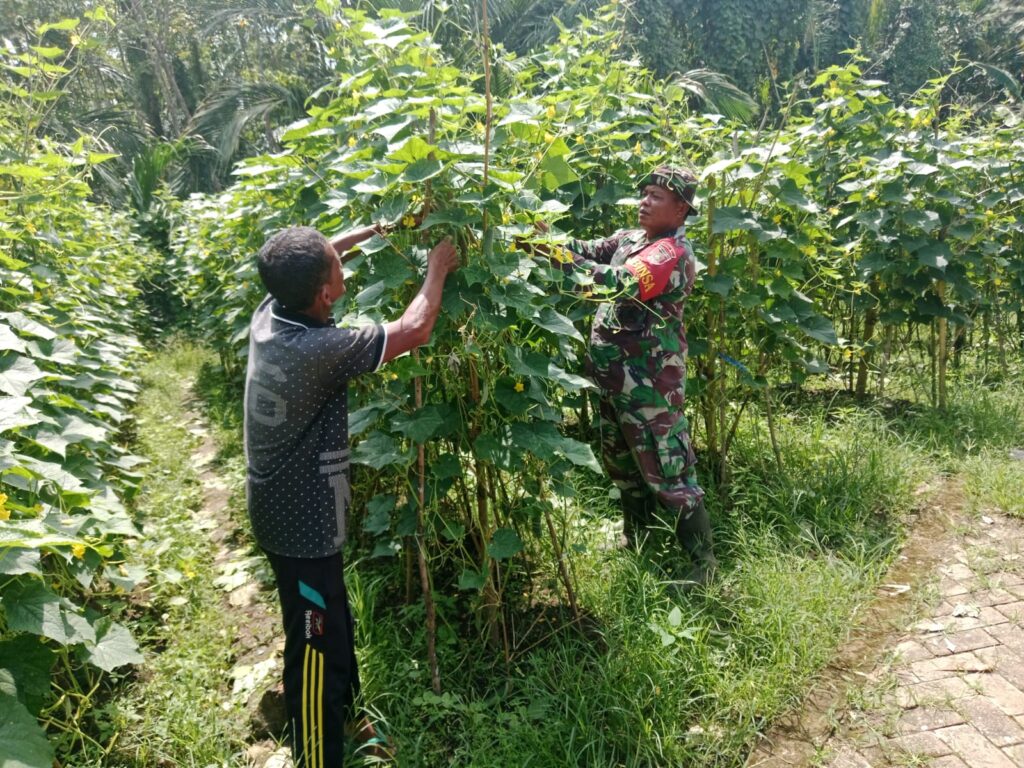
x=249, y=606
x=934, y=673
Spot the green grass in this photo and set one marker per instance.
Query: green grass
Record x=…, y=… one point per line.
x=977, y=417
x=648, y=680
x=994, y=482
x=172, y=715
x=644, y=679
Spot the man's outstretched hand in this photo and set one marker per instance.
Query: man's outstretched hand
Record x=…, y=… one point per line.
x=443, y=258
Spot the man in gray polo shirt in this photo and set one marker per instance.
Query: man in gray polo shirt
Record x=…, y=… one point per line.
x=296, y=443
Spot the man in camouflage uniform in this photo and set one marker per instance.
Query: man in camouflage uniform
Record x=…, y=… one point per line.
x=638, y=359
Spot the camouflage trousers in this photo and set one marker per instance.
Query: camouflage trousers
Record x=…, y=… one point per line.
x=647, y=453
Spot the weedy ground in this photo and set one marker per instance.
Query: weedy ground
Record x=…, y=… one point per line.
x=643, y=678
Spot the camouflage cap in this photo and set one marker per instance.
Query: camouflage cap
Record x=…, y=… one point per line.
x=679, y=180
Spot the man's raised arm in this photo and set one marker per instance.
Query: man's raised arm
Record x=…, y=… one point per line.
x=414, y=327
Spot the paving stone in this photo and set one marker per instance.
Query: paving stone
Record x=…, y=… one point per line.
x=949, y=761
x=1015, y=753
x=987, y=617
x=945, y=691
x=1007, y=697
x=995, y=596
x=1013, y=611
x=957, y=571
x=1011, y=579
x=949, y=587
x=974, y=748
x=873, y=753
x=999, y=728
x=928, y=719
x=757, y=760
x=1010, y=637
x=947, y=666
x=1007, y=663
x=910, y=651
x=847, y=757
x=993, y=615
x=1014, y=589
x=903, y=675
x=956, y=642
x=925, y=744
x=965, y=607
x=787, y=753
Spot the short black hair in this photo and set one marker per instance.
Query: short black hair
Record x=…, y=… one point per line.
x=293, y=265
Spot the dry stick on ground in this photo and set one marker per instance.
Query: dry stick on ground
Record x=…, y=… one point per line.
x=943, y=350
x=421, y=543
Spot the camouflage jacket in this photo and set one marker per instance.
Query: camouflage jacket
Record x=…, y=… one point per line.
x=638, y=340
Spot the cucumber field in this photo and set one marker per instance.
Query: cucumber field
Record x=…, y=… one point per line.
x=854, y=353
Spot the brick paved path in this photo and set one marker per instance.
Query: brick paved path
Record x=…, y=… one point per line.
x=950, y=691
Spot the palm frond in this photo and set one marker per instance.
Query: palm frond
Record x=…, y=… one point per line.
x=223, y=116
x=1001, y=78
x=714, y=92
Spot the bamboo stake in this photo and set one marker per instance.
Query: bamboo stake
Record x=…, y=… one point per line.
x=489, y=596
x=421, y=464
x=886, y=354
x=710, y=408
x=771, y=428
x=870, y=320
x=933, y=368
x=421, y=550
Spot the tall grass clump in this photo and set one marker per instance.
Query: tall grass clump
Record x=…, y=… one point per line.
x=978, y=415
x=841, y=481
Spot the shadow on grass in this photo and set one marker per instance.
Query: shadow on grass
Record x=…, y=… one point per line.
x=221, y=399
x=977, y=413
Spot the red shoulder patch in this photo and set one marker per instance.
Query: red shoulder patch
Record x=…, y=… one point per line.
x=653, y=266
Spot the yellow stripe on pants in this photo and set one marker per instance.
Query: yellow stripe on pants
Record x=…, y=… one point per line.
x=305, y=707
x=320, y=705
x=313, y=709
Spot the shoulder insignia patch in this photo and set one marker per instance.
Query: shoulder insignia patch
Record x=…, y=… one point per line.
x=653, y=266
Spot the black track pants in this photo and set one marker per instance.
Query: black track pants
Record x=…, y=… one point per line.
x=320, y=676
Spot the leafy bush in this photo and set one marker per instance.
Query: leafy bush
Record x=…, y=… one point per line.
x=68, y=275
